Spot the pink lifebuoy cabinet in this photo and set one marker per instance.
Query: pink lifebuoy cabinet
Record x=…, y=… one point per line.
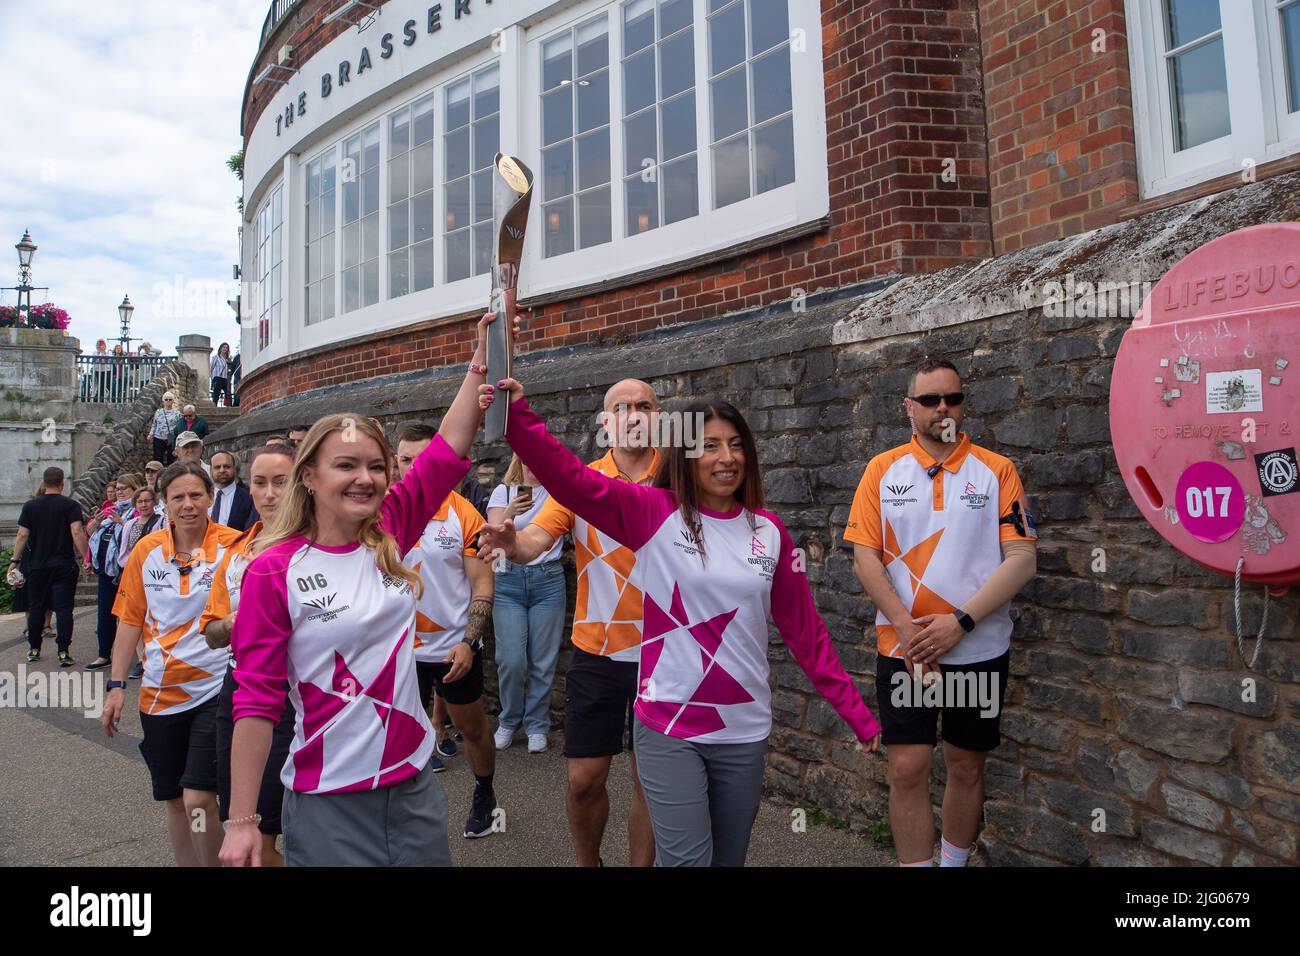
x=1205, y=405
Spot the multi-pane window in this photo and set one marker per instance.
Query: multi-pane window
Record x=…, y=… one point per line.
x=575, y=138
x=321, y=176
x=361, y=219
x=750, y=96
x=1198, y=74
x=660, y=176
x=410, y=198
x=471, y=139
x=270, y=222
x=1288, y=20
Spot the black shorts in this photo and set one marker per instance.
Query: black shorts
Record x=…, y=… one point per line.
x=459, y=692
x=181, y=749
x=908, y=715
x=599, y=694
x=270, y=796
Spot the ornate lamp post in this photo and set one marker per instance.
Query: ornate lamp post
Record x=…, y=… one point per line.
x=124, y=313
x=26, y=250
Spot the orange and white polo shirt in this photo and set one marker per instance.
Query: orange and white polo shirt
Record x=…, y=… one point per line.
x=607, y=615
x=442, y=613
x=166, y=601
x=223, y=599
x=940, y=538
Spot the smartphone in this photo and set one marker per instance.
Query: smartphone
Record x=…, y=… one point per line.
x=525, y=493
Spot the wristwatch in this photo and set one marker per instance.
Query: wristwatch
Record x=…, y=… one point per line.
x=474, y=646
x=114, y=684
x=965, y=620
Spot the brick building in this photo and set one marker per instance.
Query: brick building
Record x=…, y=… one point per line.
x=788, y=216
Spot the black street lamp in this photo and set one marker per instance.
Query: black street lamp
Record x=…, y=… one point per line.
x=26, y=250
x=124, y=313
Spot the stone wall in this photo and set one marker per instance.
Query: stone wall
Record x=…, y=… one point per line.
x=1126, y=685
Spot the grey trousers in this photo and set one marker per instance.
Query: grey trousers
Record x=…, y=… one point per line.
x=401, y=825
x=703, y=798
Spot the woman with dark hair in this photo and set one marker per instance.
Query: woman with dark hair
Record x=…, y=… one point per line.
x=268, y=471
x=221, y=373
x=161, y=597
x=713, y=566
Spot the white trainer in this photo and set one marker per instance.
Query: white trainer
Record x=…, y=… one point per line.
x=503, y=737
x=537, y=743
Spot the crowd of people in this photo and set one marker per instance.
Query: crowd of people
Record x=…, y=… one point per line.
x=310, y=644
x=117, y=376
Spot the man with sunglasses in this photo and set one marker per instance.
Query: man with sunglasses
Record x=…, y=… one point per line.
x=942, y=540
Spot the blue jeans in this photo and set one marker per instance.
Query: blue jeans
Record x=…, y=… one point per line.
x=528, y=617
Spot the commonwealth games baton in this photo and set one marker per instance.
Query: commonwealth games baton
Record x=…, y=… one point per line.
x=512, y=190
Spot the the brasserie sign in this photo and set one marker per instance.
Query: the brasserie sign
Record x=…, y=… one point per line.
x=352, y=70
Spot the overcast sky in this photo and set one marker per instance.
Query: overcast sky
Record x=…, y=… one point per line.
x=118, y=120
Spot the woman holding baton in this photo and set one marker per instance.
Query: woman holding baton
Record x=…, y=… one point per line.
x=327, y=606
x=713, y=566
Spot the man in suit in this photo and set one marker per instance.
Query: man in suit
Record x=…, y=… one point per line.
x=232, y=505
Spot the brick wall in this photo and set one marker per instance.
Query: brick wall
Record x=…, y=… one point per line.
x=1060, y=118
x=902, y=97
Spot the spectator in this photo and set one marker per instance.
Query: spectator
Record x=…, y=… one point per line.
x=298, y=432
x=234, y=380
x=232, y=504
x=53, y=525
x=221, y=373
x=117, y=375
x=99, y=370
x=148, y=351
x=20, y=602
x=189, y=447
x=191, y=421
x=277, y=440
x=163, y=428
x=528, y=616
x=105, y=545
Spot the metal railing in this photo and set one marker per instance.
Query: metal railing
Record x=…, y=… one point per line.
x=273, y=16
x=116, y=379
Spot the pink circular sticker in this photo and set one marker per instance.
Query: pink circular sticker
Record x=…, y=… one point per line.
x=1210, y=502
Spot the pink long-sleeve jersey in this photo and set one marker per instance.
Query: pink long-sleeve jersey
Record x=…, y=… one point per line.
x=342, y=634
x=703, y=672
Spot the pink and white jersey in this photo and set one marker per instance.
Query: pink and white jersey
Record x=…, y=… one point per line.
x=703, y=665
x=342, y=634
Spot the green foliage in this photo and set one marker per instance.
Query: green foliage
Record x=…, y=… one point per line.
x=6, y=592
x=881, y=837
x=236, y=165
x=17, y=397
x=824, y=818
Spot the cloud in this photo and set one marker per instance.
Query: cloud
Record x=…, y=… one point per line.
x=118, y=125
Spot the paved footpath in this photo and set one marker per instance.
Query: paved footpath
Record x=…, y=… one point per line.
x=71, y=796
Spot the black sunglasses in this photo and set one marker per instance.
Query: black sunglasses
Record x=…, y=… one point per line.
x=932, y=401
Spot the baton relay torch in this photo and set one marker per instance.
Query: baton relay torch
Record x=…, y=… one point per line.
x=512, y=191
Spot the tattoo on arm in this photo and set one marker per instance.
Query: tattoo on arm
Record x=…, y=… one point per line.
x=480, y=616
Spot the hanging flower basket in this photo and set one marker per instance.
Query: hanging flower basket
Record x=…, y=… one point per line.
x=44, y=316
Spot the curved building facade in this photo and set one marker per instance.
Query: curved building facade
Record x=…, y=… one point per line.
x=692, y=157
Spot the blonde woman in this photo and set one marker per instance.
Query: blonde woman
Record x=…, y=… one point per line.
x=527, y=616
x=165, y=420
x=327, y=607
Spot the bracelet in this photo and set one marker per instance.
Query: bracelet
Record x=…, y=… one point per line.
x=477, y=369
x=253, y=818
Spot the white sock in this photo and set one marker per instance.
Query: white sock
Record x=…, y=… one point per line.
x=953, y=855
x=922, y=863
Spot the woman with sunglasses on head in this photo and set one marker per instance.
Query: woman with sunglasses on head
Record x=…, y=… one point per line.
x=327, y=606
x=268, y=471
x=163, y=591
x=165, y=420
x=713, y=566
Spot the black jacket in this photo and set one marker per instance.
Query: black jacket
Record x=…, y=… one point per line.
x=242, y=513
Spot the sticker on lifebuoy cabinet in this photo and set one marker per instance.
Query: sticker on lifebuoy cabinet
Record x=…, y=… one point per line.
x=1210, y=501
x=1239, y=391
x=1279, y=473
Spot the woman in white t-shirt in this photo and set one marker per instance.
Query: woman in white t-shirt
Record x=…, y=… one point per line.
x=527, y=616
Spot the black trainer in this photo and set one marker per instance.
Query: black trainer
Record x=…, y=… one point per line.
x=65, y=659
x=480, y=820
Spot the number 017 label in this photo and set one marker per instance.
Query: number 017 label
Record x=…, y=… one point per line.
x=1210, y=502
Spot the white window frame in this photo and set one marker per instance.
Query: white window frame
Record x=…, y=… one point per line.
x=1261, y=129
x=268, y=298
x=804, y=200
